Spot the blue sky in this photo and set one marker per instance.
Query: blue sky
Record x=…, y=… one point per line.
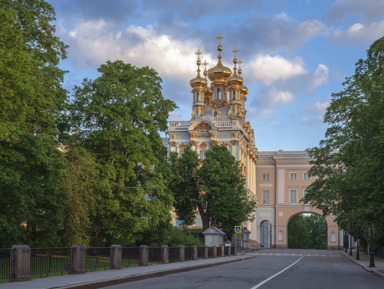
x=296, y=53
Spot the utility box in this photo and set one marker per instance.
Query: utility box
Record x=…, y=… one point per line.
x=213, y=237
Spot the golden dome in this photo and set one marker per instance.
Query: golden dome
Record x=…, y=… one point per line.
x=198, y=81
x=219, y=72
x=235, y=80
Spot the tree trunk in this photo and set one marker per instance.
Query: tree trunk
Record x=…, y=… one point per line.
x=205, y=217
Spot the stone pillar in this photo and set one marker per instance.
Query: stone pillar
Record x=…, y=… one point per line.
x=214, y=249
x=164, y=254
x=181, y=253
x=229, y=251
x=235, y=251
x=221, y=251
x=195, y=255
x=21, y=262
x=206, y=252
x=116, y=257
x=144, y=255
x=77, y=259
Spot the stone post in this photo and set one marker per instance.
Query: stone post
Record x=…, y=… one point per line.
x=214, y=249
x=116, y=257
x=21, y=262
x=234, y=251
x=221, y=252
x=181, y=253
x=195, y=255
x=77, y=259
x=164, y=254
x=144, y=255
x=229, y=251
x=206, y=252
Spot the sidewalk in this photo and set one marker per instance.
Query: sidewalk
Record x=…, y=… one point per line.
x=364, y=262
x=111, y=277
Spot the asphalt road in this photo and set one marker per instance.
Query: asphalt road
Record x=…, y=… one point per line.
x=271, y=269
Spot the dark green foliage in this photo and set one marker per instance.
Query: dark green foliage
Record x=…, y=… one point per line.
x=166, y=234
x=31, y=97
x=349, y=160
x=118, y=117
x=307, y=232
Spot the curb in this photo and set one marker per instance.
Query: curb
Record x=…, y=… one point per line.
x=369, y=269
x=137, y=277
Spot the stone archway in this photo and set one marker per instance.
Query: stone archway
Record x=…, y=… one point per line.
x=265, y=234
x=307, y=231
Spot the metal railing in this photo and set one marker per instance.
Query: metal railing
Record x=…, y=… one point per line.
x=97, y=258
x=130, y=257
x=154, y=255
x=200, y=252
x=226, y=251
x=188, y=253
x=50, y=261
x=173, y=254
x=5, y=260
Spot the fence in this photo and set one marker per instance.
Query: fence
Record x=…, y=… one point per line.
x=50, y=261
x=130, y=257
x=5, y=257
x=43, y=262
x=97, y=258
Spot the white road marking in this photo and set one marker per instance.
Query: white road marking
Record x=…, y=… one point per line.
x=270, y=278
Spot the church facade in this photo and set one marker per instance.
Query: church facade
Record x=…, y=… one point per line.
x=219, y=118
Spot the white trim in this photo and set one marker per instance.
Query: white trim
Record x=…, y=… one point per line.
x=281, y=187
x=294, y=166
x=266, y=166
x=265, y=185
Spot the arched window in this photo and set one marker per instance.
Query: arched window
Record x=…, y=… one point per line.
x=233, y=94
x=281, y=236
x=265, y=234
x=218, y=93
x=197, y=96
x=202, y=154
x=333, y=237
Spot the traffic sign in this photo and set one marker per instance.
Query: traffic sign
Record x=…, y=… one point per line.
x=237, y=229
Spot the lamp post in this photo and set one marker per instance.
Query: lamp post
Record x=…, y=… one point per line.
x=345, y=239
x=371, y=259
x=357, y=243
x=350, y=239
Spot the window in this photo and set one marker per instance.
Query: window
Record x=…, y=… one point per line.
x=293, y=176
x=265, y=197
x=218, y=93
x=304, y=193
x=265, y=177
x=197, y=96
x=293, y=196
x=202, y=154
x=306, y=177
x=233, y=95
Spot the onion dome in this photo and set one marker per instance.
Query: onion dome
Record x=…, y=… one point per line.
x=219, y=72
x=235, y=80
x=198, y=81
x=243, y=90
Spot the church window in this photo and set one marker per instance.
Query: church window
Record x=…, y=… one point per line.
x=202, y=154
x=233, y=95
x=215, y=113
x=197, y=96
x=218, y=93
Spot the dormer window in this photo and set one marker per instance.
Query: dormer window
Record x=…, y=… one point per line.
x=218, y=93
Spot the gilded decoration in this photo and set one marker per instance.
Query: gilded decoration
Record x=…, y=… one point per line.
x=234, y=142
x=192, y=143
x=213, y=142
x=203, y=129
x=173, y=144
x=182, y=146
x=203, y=146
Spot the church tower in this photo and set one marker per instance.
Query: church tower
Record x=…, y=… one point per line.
x=219, y=117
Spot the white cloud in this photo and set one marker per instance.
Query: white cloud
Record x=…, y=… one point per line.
x=312, y=120
x=359, y=33
x=319, y=107
x=269, y=69
x=94, y=42
x=320, y=76
x=368, y=10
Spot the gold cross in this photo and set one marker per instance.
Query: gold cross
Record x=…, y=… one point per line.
x=220, y=37
x=235, y=51
x=205, y=64
x=198, y=53
x=240, y=62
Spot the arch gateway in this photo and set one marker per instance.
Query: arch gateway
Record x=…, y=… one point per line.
x=282, y=178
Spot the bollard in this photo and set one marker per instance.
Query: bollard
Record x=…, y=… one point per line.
x=181, y=253
x=20, y=263
x=116, y=257
x=144, y=255
x=77, y=259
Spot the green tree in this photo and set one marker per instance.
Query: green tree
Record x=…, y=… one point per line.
x=317, y=228
x=348, y=162
x=31, y=98
x=298, y=234
x=118, y=117
x=217, y=189
x=81, y=179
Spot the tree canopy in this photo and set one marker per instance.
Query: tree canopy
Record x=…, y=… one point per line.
x=348, y=162
x=31, y=100
x=216, y=189
x=118, y=117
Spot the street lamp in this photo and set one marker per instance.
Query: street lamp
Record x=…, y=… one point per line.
x=371, y=259
x=350, y=239
x=357, y=243
x=345, y=239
